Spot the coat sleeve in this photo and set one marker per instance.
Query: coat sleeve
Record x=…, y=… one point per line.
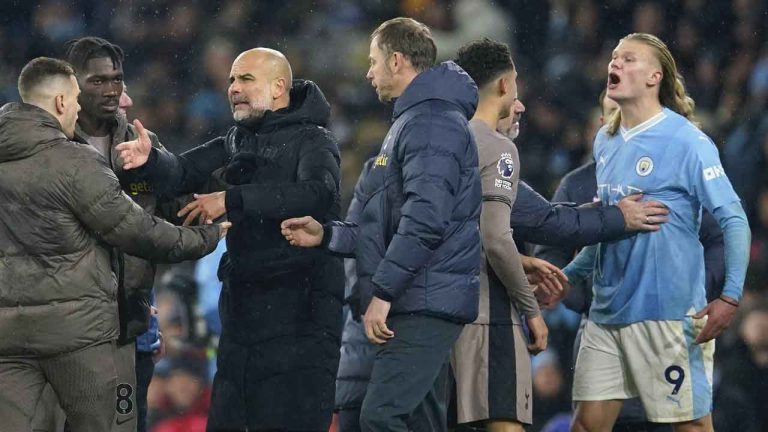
x=558, y=254
x=173, y=175
x=536, y=220
x=429, y=150
x=96, y=198
x=579, y=296
x=340, y=238
x=314, y=192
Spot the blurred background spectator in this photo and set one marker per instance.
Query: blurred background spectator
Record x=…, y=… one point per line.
x=180, y=392
x=178, y=55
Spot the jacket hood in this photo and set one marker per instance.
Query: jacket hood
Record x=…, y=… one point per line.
x=446, y=81
x=25, y=130
x=308, y=106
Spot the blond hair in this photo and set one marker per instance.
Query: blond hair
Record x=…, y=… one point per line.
x=671, y=89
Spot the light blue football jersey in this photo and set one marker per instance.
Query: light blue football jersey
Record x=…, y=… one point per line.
x=657, y=275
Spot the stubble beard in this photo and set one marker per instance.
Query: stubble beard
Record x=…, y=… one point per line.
x=256, y=109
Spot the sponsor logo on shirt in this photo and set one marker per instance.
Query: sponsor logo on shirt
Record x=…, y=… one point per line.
x=381, y=160
x=644, y=166
x=713, y=172
x=142, y=187
x=506, y=166
x=613, y=193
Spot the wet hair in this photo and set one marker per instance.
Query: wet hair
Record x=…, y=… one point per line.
x=671, y=89
x=79, y=51
x=409, y=37
x=38, y=71
x=484, y=60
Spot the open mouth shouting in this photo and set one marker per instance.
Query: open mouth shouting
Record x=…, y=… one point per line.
x=613, y=80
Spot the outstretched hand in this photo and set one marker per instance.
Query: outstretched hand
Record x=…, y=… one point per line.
x=135, y=153
x=549, y=283
x=303, y=231
x=205, y=208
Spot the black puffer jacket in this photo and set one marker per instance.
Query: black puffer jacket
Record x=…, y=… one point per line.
x=285, y=166
x=61, y=211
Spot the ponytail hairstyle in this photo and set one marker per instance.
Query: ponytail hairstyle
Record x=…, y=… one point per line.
x=671, y=89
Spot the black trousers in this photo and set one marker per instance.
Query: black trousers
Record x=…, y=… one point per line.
x=285, y=384
x=145, y=367
x=409, y=386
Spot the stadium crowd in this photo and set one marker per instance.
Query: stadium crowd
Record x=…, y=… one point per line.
x=177, y=59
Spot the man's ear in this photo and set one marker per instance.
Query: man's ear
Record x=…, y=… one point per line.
x=278, y=87
x=654, y=79
x=502, y=86
x=59, y=104
x=396, y=61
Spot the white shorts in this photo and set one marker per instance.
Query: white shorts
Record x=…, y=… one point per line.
x=657, y=361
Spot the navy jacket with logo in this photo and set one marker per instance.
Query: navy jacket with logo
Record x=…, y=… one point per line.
x=417, y=241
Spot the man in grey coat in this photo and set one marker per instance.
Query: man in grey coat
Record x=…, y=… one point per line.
x=62, y=211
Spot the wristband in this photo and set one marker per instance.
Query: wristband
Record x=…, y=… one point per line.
x=729, y=301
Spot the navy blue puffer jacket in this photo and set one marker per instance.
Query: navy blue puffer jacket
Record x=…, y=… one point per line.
x=417, y=237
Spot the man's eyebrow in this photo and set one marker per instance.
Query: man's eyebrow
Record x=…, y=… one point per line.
x=104, y=76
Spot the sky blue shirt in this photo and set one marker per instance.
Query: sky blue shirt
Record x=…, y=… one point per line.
x=656, y=275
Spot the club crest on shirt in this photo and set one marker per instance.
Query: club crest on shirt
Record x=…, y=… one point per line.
x=644, y=166
x=506, y=165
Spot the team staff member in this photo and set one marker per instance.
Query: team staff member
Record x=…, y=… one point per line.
x=417, y=244
x=280, y=307
x=61, y=211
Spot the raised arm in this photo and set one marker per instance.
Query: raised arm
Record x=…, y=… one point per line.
x=96, y=198
x=536, y=220
x=169, y=174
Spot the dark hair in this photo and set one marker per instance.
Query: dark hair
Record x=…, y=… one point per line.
x=409, y=37
x=79, y=51
x=39, y=70
x=484, y=60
